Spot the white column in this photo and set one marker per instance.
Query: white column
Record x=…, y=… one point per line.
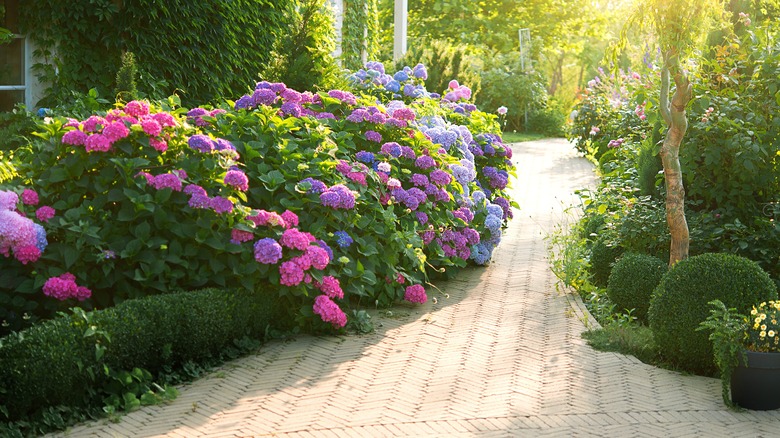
x=401, y=18
x=337, y=8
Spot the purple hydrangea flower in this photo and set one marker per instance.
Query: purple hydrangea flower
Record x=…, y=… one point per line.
x=201, y=143
x=268, y=251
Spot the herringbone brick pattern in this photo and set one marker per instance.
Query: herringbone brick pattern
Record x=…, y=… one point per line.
x=499, y=355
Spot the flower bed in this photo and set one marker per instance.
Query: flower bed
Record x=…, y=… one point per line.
x=347, y=194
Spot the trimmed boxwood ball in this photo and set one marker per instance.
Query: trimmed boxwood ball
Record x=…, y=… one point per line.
x=632, y=281
x=602, y=257
x=679, y=304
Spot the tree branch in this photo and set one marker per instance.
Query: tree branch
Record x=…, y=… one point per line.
x=664, y=100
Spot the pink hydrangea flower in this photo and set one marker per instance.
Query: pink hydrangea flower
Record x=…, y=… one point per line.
x=240, y=236
x=74, y=138
x=330, y=286
x=158, y=144
x=115, y=131
x=329, y=311
x=26, y=254
x=29, y=197
x=290, y=219
x=45, y=213
x=237, y=179
x=97, y=142
x=296, y=239
x=164, y=119
x=137, y=109
x=415, y=294
x=93, y=122
x=291, y=273
x=64, y=287
x=166, y=180
x=318, y=256
x=151, y=127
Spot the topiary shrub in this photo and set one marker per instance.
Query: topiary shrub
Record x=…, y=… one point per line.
x=679, y=304
x=632, y=281
x=602, y=257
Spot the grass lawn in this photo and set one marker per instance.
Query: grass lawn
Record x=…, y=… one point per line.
x=517, y=137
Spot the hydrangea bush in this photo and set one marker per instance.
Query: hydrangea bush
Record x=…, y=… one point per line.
x=363, y=194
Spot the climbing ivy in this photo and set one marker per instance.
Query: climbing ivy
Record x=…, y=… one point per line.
x=205, y=49
x=360, y=32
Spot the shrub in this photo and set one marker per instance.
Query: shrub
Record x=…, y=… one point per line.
x=632, y=281
x=602, y=256
x=50, y=363
x=152, y=198
x=302, y=58
x=679, y=304
x=504, y=83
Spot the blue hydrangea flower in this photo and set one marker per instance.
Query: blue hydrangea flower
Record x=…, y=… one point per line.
x=393, y=86
x=401, y=76
x=343, y=239
x=481, y=253
x=365, y=156
x=493, y=223
x=40, y=237
x=495, y=210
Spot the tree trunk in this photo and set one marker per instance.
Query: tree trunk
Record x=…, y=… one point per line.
x=674, y=114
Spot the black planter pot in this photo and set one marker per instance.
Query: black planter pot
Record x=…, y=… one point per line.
x=757, y=385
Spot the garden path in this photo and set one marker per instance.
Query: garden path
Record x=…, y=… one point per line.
x=500, y=356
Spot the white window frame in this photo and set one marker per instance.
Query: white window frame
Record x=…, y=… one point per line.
x=26, y=74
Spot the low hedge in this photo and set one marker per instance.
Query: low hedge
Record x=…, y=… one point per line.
x=55, y=362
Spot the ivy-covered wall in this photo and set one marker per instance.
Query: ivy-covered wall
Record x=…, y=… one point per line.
x=360, y=33
x=204, y=49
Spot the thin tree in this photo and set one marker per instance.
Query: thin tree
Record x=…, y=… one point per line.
x=680, y=26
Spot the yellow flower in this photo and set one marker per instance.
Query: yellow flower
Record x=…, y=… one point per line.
x=763, y=316
x=757, y=320
x=771, y=333
x=762, y=335
x=763, y=327
x=754, y=311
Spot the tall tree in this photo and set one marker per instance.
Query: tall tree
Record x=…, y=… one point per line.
x=679, y=26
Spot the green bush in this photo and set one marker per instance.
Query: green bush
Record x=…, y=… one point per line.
x=602, y=256
x=302, y=58
x=504, y=83
x=50, y=363
x=679, y=304
x=632, y=281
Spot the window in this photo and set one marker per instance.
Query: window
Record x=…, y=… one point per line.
x=14, y=57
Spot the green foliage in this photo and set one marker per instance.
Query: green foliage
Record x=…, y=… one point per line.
x=679, y=304
x=732, y=149
x=126, y=86
x=632, y=281
x=360, y=33
x=504, y=83
x=603, y=255
x=210, y=49
x=108, y=358
x=727, y=332
x=16, y=127
x=648, y=164
x=444, y=61
x=303, y=59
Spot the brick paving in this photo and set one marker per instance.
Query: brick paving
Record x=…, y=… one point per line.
x=499, y=354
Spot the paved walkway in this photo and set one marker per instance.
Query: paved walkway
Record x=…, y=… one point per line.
x=500, y=356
